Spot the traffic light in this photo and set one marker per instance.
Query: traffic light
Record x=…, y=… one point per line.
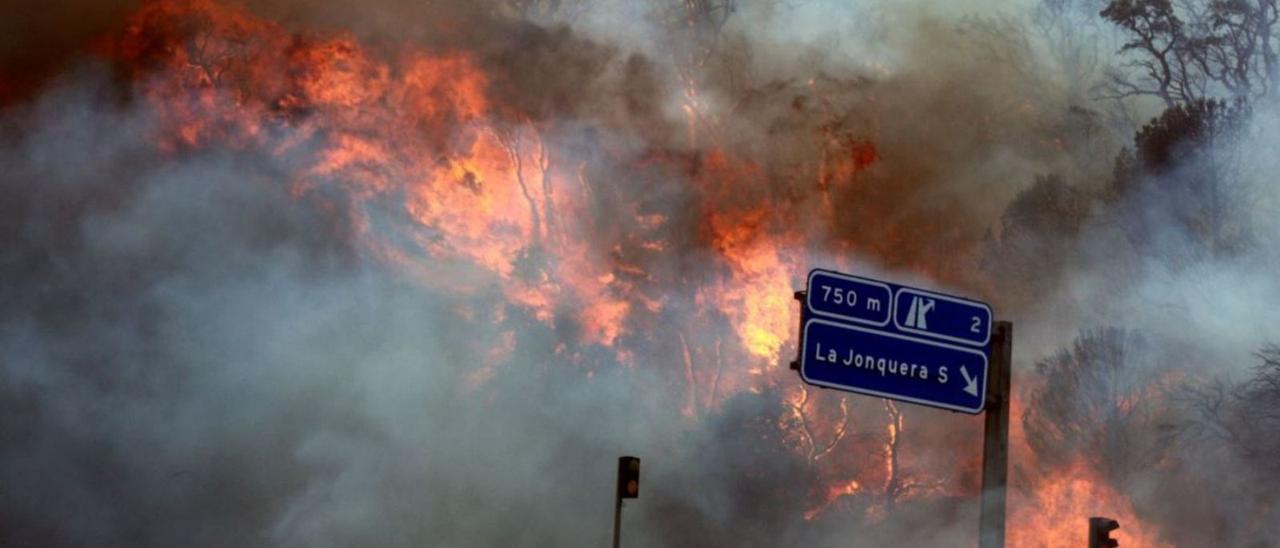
x=628, y=477
x=1100, y=533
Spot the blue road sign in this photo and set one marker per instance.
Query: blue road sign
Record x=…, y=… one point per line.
x=882, y=339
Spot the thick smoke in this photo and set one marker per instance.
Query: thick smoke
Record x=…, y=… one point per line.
x=194, y=355
x=1186, y=259
x=1155, y=287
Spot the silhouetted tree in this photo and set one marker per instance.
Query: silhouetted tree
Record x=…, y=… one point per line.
x=1236, y=427
x=1188, y=131
x=1259, y=439
x=1095, y=404
x=1037, y=235
x=1180, y=195
x=1246, y=415
x=1194, y=50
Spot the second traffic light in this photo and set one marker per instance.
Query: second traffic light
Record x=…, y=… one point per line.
x=628, y=477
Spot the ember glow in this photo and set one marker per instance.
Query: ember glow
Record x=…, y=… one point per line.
x=561, y=239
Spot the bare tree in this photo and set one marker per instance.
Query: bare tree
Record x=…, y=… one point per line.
x=1071, y=31
x=1259, y=414
x=1193, y=50
x=900, y=483
x=1246, y=416
x=1231, y=44
x=815, y=449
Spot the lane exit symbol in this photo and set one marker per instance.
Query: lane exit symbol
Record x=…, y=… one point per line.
x=920, y=307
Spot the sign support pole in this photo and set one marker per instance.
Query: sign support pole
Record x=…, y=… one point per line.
x=617, y=521
x=995, y=438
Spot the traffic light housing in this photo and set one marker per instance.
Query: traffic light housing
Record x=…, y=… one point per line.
x=628, y=477
x=1100, y=532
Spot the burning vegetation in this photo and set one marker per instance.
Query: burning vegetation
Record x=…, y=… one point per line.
x=278, y=274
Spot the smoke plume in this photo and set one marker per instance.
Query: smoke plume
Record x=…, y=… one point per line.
x=403, y=273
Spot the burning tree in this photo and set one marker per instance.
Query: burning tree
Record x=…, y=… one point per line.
x=1095, y=403
x=1095, y=420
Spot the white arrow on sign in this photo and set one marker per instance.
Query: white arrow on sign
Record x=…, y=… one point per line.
x=972, y=383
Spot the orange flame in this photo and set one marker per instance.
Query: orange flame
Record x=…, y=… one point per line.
x=1055, y=513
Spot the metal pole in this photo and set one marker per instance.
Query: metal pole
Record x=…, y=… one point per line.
x=617, y=520
x=995, y=439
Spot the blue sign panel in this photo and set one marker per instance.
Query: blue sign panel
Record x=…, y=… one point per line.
x=924, y=347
